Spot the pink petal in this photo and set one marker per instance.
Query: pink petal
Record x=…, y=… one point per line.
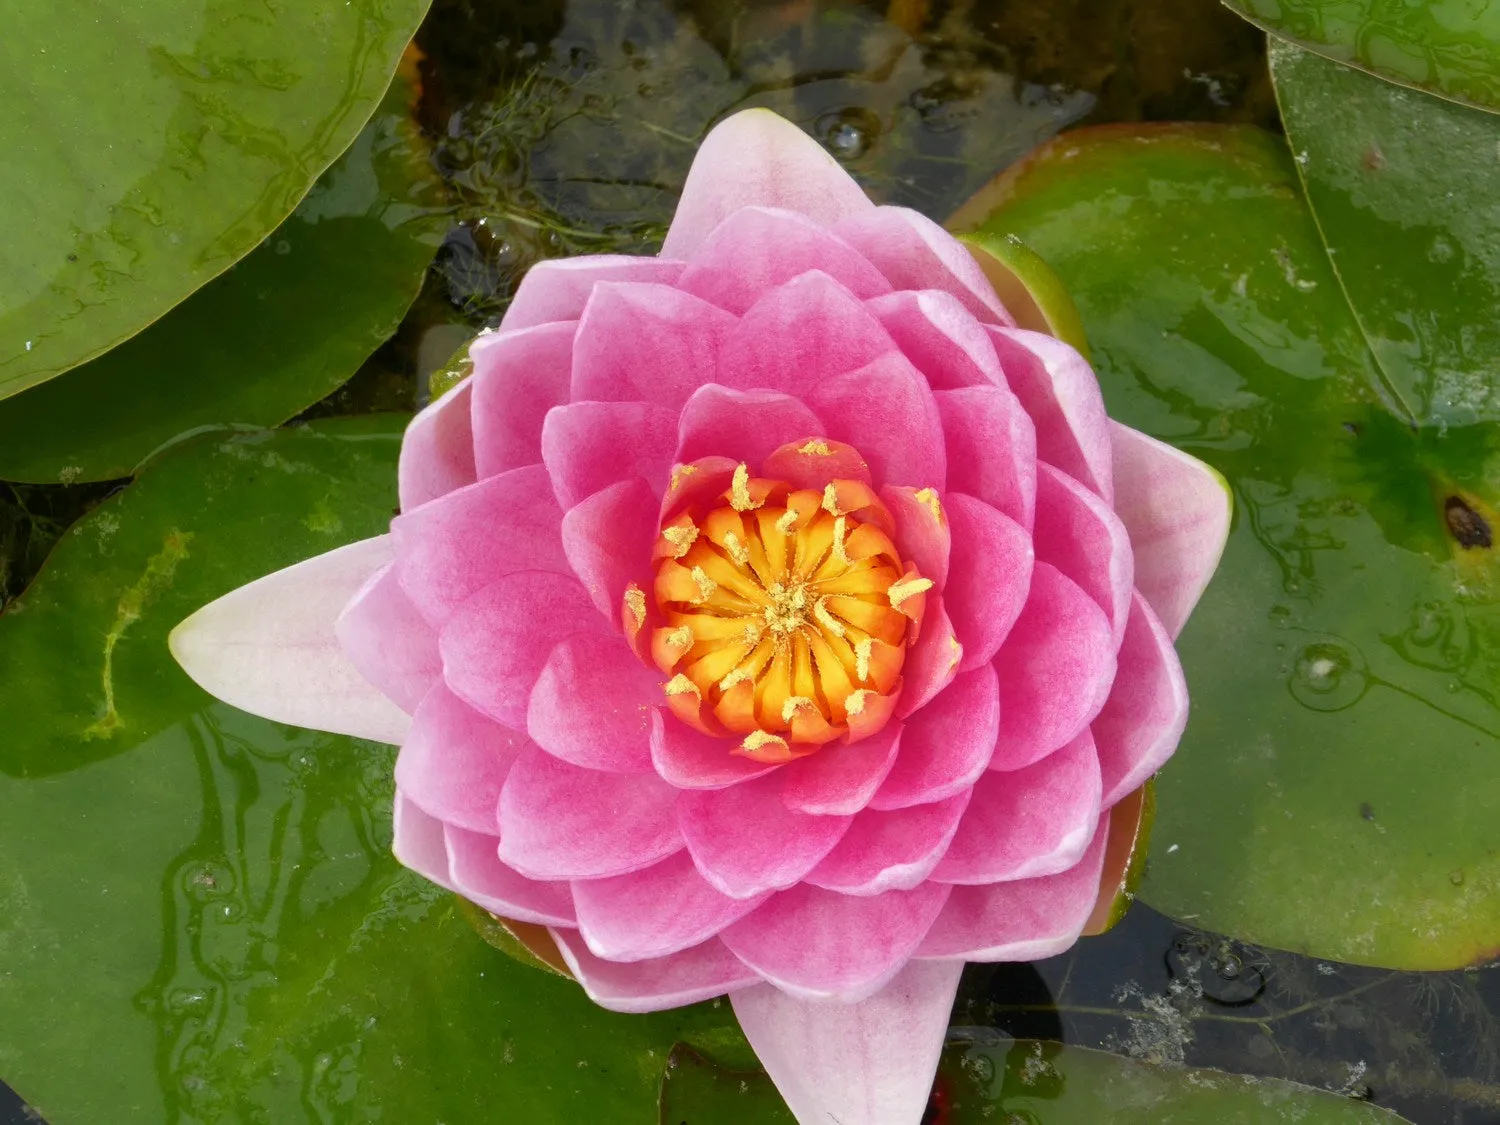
x=932, y=662
x=886, y=411
x=664, y=909
x=1055, y=670
x=646, y=343
x=891, y=850
x=558, y=821
x=922, y=533
x=1143, y=719
x=452, y=548
x=518, y=377
x=496, y=644
x=694, y=975
x=839, y=780
x=759, y=248
x=991, y=449
x=796, y=337
x=269, y=648
x=454, y=762
x=588, y=446
x=437, y=451
x=1057, y=387
x=418, y=843
x=758, y=159
x=690, y=759
x=940, y=336
x=741, y=425
x=988, y=578
x=385, y=637
x=592, y=704
x=1080, y=534
x=1032, y=822
x=915, y=253
x=870, y=1063
x=746, y=841
x=1021, y=920
x=821, y=945
x=1177, y=511
x=946, y=744
x=608, y=541
x=477, y=873
x=559, y=288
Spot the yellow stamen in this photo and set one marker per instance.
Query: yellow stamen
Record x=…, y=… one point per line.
x=790, y=707
x=826, y=619
x=737, y=549
x=759, y=740
x=929, y=497
x=816, y=448
x=680, y=473
x=830, y=499
x=681, y=685
x=635, y=604
x=681, y=538
x=907, y=588
x=739, y=490
x=707, y=587
x=863, y=650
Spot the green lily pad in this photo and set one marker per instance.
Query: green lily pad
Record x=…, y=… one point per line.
x=260, y=343
x=208, y=924
x=1335, y=792
x=149, y=147
x=1449, y=47
x=1403, y=187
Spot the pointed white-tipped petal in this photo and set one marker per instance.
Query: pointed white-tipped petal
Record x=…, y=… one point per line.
x=870, y=1063
x=269, y=648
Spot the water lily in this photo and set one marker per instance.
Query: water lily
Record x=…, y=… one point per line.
x=771, y=617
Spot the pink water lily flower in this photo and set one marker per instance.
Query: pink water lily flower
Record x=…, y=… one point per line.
x=771, y=617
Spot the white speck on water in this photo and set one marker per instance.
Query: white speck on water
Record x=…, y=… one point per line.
x=1173, y=848
x=28, y=345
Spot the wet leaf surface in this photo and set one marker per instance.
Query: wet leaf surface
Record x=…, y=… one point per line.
x=151, y=147
x=1335, y=791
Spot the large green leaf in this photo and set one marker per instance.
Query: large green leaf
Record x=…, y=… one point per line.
x=1450, y=47
x=277, y=332
x=148, y=147
x=1403, y=186
x=209, y=926
x=1036, y=1083
x=1336, y=789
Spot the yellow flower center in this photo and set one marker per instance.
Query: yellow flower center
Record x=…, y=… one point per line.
x=785, y=615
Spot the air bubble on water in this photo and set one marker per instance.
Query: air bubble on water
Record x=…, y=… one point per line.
x=1328, y=675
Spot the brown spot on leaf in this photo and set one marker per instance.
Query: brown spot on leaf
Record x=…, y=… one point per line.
x=1466, y=525
x=1374, y=159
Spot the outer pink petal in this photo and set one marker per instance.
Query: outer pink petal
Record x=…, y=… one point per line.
x=796, y=337
x=558, y=821
x=454, y=762
x=870, y=1063
x=1057, y=387
x=759, y=248
x=1177, y=511
x=991, y=449
x=1055, y=670
x=821, y=945
x=988, y=578
x=664, y=909
x=269, y=648
x=496, y=644
x=694, y=975
x=646, y=343
x=518, y=377
x=915, y=253
x=452, y=548
x=741, y=425
x=592, y=704
x=932, y=661
x=559, y=288
x=690, y=759
x=756, y=158
x=922, y=533
x=608, y=541
x=588, y=446
x=946, y=744
x=385, y=637
x=745, y=841
x=885, y=410
x=1147, y=709
x=890, y=851
x=940, y=336
x=839, y=780
x=1022, y=920
x=477, y=873
x=1032, y=822
x=437, y=451
x=1080, y=535
x=418, y=843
